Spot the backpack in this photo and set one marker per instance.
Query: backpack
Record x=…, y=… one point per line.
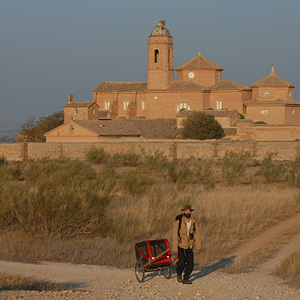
x=179, y=218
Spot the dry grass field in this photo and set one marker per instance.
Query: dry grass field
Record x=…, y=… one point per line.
x=93, y=212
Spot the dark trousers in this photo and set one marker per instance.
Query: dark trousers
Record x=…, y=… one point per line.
x=185, y=262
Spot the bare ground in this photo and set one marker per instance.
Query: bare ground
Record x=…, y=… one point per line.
x=99, y=282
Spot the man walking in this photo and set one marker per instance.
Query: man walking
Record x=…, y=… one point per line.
x=185, y=235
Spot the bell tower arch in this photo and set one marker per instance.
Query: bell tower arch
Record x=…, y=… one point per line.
x=160, y=57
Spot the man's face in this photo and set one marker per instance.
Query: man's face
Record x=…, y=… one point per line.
x=187, y=213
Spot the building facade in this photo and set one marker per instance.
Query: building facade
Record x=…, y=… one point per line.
x=199, y=86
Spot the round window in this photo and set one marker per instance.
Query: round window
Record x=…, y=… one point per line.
x=191, y=75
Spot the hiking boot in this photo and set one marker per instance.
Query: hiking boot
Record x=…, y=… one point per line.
x=179, y=278
x=186, y=281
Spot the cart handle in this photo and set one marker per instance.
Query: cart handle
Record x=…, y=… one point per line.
x=156, y=258
x=175, y=258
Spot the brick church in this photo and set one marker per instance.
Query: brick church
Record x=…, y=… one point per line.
x=199, y=87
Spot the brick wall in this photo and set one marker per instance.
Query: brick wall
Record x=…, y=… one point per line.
x=171, y=148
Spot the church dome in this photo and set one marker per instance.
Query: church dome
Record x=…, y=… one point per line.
x=160, y=29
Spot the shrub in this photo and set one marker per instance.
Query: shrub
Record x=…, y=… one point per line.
x=272, y=172
x=179, y=174
x=133, y=183
x=204, y=174
x=97, y=156
x=157, y=161
x=234, y=166
x=260, y=122
x=293, y=176
x=202, y=126
x=125, y=159
x=54, y=210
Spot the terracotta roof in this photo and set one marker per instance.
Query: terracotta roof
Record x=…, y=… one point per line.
x=199, y=62
x=156, y=128
x=79, y=104
x=272, y=101
x=118, y=86
x=272, y=80
x=228, y=85
x=215, y=113
x=117, y=127
x=185, y=85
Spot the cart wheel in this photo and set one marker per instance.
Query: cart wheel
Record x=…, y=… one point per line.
x=168, y=272
x=139, y=271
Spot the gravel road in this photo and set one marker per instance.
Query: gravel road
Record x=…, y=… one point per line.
x=98, y=282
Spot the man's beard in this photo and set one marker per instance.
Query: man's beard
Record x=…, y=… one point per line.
x=187, y=215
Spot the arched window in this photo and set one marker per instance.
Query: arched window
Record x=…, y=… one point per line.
x=156, y=54
x=182, y=106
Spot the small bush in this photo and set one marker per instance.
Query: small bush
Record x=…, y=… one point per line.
x=133, y=183
x=234, y=166
x=125, y=159
x=204, y=173
x=272, y=172
x=181, y=175
x=293, y=176
x=158, y=162
x=97, y=156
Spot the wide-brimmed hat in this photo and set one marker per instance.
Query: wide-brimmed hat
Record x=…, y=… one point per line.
x=186, y=207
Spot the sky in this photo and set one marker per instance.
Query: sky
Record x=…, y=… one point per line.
x=49, y=49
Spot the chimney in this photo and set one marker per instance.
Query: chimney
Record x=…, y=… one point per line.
x=162, y=22
x=70, y=97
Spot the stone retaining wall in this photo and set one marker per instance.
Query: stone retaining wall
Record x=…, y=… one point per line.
x=171, y=148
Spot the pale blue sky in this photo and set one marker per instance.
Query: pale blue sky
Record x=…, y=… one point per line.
x=51, y=48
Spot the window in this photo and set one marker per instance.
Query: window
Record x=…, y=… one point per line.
x=76, y=111
x=71, y=127
x=292, y=111
x=106, y=105
x=125, y=104
x=219, y=104
x=182, y=106
x=156, y=54
x=266, y=93
x=93, y=111
x=264, y=112
x=143, y=105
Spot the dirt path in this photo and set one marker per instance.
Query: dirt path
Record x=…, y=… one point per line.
x=98, y=282
x=109, y=283
x=267, y=237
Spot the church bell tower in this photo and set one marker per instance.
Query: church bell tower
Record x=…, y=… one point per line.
x=160, y=57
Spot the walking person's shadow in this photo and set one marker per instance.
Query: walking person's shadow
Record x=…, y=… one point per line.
x=202, y=272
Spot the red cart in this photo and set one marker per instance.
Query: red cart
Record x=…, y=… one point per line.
x=152, y=256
